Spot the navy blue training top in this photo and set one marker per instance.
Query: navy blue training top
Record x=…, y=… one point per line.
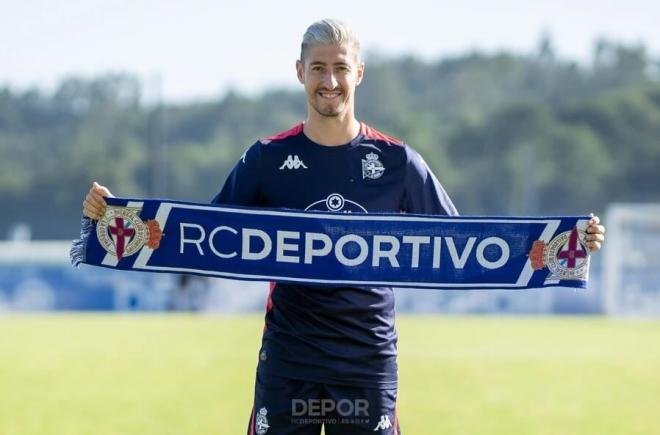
x=335, y=335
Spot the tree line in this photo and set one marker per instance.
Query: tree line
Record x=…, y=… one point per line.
x=505, y=133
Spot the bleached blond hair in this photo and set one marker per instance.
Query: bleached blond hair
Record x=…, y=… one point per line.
x=329, y=32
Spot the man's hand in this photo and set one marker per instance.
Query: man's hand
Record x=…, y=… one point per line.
x=595, y=234
x=94, y=204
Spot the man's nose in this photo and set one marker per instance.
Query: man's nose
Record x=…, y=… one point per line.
x=330, y=81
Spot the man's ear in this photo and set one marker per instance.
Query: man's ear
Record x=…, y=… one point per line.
x=360, y=73
x=300, y=70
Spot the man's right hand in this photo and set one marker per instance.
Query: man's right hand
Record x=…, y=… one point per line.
x=94, y=204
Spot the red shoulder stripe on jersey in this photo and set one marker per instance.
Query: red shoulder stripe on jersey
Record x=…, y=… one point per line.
x=372, y=133
x=293, y=131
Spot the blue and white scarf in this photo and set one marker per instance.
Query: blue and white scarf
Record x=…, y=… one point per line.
x=318, y=248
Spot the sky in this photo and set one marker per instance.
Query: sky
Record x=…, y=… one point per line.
x=200, y=49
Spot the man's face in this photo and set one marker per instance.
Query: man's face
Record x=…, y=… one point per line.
x=330, y=74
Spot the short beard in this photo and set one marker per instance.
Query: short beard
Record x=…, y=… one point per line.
x=333, y=114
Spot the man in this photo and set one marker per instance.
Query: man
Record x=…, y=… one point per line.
x=329, y=353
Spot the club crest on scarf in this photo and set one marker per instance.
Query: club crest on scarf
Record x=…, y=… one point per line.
x=122, y=233
x=566, y=256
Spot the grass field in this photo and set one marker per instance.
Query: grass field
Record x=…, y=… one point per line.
x=184, y=375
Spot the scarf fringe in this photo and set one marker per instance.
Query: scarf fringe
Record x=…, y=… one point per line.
x=78, y=251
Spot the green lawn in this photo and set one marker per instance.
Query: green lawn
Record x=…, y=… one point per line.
x=166, y=374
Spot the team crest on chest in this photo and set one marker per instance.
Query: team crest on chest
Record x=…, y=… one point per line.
x=372, y=167
x=122, y=233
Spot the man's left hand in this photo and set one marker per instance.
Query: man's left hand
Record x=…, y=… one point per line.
x=595, y=234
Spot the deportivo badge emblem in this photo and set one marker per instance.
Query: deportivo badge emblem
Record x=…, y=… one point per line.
x=566, y=256
x=261, y=422
x=122, y=233
x=293, y=162
x=372, y=167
